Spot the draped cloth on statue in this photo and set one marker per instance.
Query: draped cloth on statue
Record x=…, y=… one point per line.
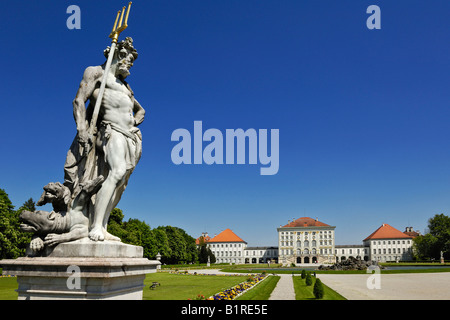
x=80, y=167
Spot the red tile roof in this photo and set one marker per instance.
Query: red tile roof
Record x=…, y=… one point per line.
x=412, y=234
x=205, y=239
x=306, y=222
x=387, y=232
x=226, y=236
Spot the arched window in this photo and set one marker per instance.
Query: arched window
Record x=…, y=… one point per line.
x=314, y=243
x=299, y=244
x=306, y=243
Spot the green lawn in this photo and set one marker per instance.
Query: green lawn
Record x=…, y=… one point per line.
x=173, y=286
x=183, y=287
x=8, y=285
x=304, y=292
x=261, y=291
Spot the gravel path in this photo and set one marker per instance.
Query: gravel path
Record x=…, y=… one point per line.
x=406, y=286
x=284, y=289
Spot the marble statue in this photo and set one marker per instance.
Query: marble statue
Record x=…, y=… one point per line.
x=104, y=153
x=114, y=147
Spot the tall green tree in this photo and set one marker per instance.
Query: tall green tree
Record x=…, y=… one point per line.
x=191, y=247
x=139, y=233
x=162, y=245
x=204, y=252
x=439, y=227
x=115, y=223
x=29, y=205
x=436, y=240
x=181, y=246
x=425, y=247
x=133, y=232
x=12, y=240
x=174, y=244
x=23, y=238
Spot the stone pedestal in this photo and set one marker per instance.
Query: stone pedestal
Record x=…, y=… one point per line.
x=82, y=270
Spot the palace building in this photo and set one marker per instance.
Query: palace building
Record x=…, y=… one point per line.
x=261, y=254
x=307, y=240
x=227, y=247
x=389, y=244
x=345, y=251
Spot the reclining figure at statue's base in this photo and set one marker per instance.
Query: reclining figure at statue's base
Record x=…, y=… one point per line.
x=68, y=221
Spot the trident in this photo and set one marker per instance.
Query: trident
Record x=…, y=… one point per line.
x=114, y=35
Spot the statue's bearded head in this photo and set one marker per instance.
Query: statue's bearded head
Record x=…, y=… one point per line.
x=125, y=56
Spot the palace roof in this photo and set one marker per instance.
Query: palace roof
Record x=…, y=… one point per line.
x=206, y=238
x=226, y=236
x=305, y=222
x=387, y=232
x=412, y=234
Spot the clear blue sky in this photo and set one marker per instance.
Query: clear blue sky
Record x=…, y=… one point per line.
x=363, y=114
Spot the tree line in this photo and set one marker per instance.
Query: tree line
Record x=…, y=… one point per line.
x=13, y=241
x=435, y=239
x=172, y=243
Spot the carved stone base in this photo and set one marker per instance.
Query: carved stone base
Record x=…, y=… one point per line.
x=82, y=278
x=99, y=249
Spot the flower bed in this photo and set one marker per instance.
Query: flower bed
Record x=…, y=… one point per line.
x=237, y=290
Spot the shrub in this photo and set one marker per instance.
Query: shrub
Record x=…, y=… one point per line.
x=308, y=279
x=303, y=274
x=318, y=289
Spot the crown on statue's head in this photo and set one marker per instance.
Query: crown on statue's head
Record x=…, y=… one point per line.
x=124, y=44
